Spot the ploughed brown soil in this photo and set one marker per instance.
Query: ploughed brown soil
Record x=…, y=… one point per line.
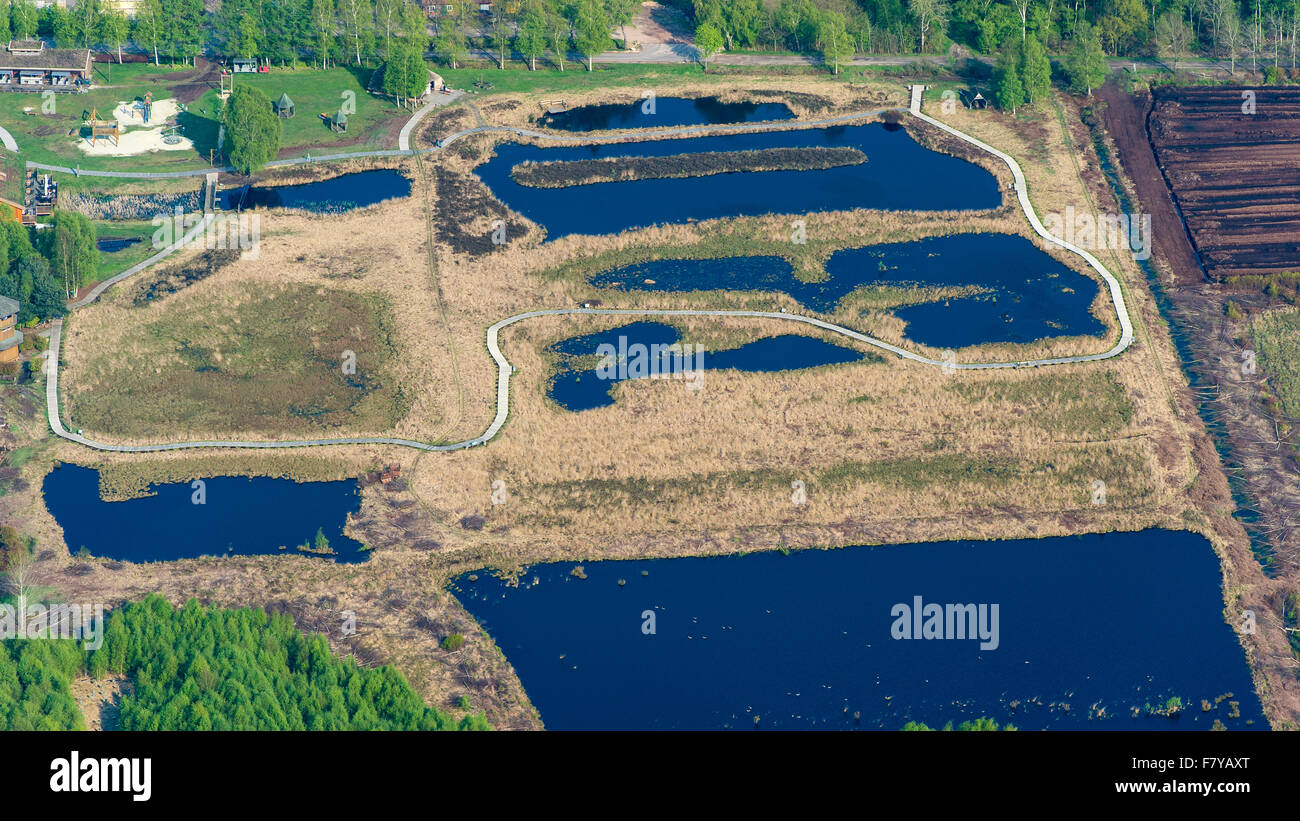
x=1234, y=175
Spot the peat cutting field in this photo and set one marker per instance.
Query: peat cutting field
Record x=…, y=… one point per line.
x=1235, y=320
x=1231, y=156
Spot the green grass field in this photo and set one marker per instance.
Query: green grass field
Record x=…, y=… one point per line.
x=1276, y=335
x=374, y=125
x=51, y=137
x=118, y=261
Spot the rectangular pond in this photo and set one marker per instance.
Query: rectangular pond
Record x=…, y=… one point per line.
x=345, y=192
x=1093, y=632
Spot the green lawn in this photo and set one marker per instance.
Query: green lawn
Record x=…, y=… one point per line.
x=44, y=137
x=575, y=77
x=317, y=92
x=114, y=263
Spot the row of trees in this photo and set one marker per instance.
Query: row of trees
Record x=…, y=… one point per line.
x=41, y=268
x=1258, y=29
x=1022, y=74
x=201, y=668
x=537, y=28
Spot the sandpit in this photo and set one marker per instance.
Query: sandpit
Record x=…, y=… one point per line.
x=136, y=137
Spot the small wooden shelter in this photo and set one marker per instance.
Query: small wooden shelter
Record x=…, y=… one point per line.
x=337, y=122
x=284, y=106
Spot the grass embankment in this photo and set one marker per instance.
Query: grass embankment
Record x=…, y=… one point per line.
x=699, y=164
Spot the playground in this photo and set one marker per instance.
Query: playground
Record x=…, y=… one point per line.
x=138, y=126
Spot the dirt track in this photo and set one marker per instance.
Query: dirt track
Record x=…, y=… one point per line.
x=1126, y=117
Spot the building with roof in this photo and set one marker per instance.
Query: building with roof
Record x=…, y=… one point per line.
x=10, y=336
x=27, y=65
x=284, y=105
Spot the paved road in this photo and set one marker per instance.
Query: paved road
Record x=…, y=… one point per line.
x=505, y=369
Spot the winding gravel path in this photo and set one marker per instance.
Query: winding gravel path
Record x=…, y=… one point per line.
x=505, y=369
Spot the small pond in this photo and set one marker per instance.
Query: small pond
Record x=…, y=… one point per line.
x=578, y=388
x=238, y=516
x=111, y=245
x=343, y=193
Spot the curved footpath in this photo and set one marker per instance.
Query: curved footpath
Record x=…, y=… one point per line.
x=505, y=369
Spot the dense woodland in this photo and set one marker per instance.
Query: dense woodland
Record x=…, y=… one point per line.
x=358, y=32
x=41, y=268
x=202, y=668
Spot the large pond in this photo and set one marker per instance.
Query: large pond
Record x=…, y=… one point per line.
x=237, y=515
x=1090, y=631
x=664, y=112
x=1026, y=294
x=639, y=351
x=343, y=193
x=899, y=174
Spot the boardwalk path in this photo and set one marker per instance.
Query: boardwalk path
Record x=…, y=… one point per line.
x=505, y=369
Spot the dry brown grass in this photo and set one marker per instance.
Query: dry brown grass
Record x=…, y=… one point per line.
x=891, y=451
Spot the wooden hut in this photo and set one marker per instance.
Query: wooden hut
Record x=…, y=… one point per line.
x=27, y=65
x=979, y=101
x=284, y=106
x=339, y=122
x=10, y=336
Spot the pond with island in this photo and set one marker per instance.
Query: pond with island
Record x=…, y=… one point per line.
x=217, y=516
x=655, y=350
x=899, y=175
x=1024, y=293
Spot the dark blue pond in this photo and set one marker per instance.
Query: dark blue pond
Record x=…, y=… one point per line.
x=342, y=193
x=240, y=516
x=899, y=174
x=666, y=112
x=1030, y=295
x=111, y=245
x=1099, y=623
x=579, y=389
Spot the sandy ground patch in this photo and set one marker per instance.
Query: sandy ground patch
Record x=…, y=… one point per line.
x=135, y=138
